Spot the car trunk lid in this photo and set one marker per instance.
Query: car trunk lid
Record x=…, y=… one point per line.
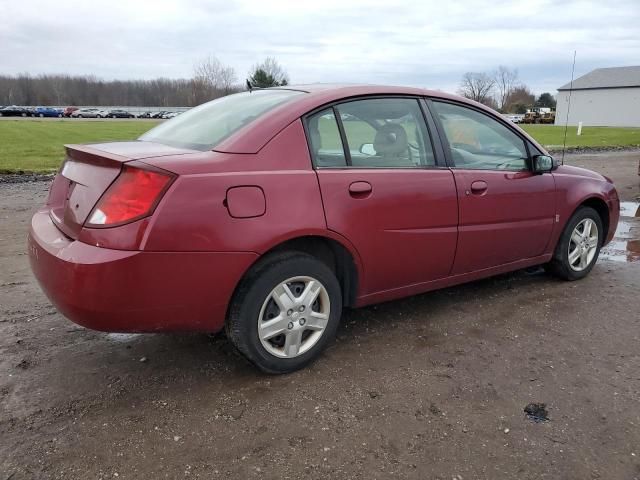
x=86, y=174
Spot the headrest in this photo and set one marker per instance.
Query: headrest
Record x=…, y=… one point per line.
x=391, y=139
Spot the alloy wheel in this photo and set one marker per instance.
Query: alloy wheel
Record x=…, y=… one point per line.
x=583, y=244
x=294, y=316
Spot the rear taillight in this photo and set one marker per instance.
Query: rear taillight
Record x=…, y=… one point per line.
x=133, y=195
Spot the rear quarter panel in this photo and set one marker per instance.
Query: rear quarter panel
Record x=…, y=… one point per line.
x=194, y=216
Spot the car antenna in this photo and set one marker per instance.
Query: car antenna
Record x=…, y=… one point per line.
x=249, y=86
x=566, y=122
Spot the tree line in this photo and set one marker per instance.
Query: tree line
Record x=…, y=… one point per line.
x=211, y=79
x=502, y=90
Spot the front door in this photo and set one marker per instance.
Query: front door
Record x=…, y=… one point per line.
x=384, y=192
x=506, y=211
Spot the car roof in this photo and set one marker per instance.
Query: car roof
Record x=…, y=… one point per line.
x=254, y=136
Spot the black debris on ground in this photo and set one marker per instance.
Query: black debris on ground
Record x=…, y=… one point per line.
x=537, y=412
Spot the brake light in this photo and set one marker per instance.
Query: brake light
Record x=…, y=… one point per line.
x=133, y=195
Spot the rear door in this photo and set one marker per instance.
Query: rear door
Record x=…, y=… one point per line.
x=506, y=211
x=383, y=190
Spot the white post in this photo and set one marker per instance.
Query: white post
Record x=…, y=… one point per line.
x=579, y=128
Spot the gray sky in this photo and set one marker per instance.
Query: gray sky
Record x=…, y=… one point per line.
x=421, y=43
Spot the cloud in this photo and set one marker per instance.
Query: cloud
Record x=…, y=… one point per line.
x=423, y=43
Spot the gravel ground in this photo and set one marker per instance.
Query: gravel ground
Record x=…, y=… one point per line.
x=430, y=387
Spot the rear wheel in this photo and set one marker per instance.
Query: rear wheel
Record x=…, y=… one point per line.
x=285, y=312
x=579, y=246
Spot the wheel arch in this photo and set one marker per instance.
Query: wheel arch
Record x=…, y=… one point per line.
x=600, y=206
x=338, y=255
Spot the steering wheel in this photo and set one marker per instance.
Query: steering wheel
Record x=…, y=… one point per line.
x=505, y=165
x=410, y=147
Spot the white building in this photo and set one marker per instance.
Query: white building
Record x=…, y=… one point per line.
x=604, y=97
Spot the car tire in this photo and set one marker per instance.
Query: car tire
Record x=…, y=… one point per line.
x=300, y=336
x=23, y=114
x=78, y=116
x=113, y=116
x=59, y=115
x=573, y=240
x=41, y=115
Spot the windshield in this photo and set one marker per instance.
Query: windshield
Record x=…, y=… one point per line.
x=203, y=127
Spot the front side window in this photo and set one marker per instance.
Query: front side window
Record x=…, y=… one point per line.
x=203, y=127
x=386, y=132
x=477, y=141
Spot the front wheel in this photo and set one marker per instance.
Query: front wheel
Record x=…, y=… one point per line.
x=285, y=312
x=579, y=246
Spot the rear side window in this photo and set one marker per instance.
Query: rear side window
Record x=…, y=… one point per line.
x=479, y=142
x=379, y=133
x=324, y=140
x=203, y=127
x=386, y=133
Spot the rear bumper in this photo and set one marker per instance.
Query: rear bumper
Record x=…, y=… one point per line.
x=133, y=291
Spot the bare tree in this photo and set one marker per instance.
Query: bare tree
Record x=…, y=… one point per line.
x=269, y=73
x=476, y=86
x=518, y=100
x=211, y=73
x=505, y=81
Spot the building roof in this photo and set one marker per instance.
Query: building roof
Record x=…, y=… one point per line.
x=615, y=77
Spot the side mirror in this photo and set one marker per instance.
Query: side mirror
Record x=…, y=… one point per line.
x=543, y=163
x=367, y=149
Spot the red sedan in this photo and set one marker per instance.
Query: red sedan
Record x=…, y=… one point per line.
x=267, y=212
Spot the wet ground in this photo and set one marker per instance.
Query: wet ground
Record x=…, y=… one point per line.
x=431, y=387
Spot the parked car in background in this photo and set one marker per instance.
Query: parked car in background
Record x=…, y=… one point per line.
x=264, y=213
x=47, y=112
x=102, y=113
x=14, y=111
x=514, y=117
x=120, y=114
x=158, y=114
x=145, y=115
x=68, y=111
x=86, y=113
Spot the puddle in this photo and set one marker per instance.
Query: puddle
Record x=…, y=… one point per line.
x=123, y=337
x=630, y=209
x=625, y=246
x=537, y=412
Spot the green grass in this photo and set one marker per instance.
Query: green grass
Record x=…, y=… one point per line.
x=551, y=136
x=38, y=146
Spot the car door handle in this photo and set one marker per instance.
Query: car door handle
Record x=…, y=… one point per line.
x=360, y=189
x=479, y=187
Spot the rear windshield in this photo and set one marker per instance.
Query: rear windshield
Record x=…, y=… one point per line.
x=203, y=127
